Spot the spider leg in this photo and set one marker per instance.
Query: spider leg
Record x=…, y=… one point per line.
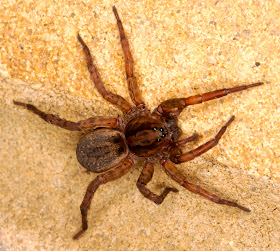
x=182, y=142
x=113, y=174
x=133, y=88
x=145, y=178
x=175, y=174
x=173, y=107
x=203, y=148
x=82, y=125
x=175, y=149
x=114, y=99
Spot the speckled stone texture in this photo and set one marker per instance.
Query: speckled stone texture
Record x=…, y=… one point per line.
x=181, y=48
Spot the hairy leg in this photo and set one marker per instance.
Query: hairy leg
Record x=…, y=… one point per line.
x=173, y=107
x=145, y=178
x=101, y=179
x=174, y=173
x=175, y=150
x=203, y=148
x=182, y=142
x=114, y=99
x=133, y=88
x=82, y=125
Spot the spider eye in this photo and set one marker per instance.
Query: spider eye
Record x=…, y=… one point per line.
x=154, y=129
x=161, y=129
x=158, y=140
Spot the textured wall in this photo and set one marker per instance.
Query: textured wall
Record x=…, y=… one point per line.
x=180, y=48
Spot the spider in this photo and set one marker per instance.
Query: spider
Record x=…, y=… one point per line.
x=116, y=144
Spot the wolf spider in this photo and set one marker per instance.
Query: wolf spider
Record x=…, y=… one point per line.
x=116, y=143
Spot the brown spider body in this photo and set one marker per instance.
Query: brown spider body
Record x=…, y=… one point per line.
x=101, y=150
x=147, y=135
x=116, y=143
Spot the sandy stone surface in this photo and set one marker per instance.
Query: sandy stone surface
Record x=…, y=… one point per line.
x=180, y=48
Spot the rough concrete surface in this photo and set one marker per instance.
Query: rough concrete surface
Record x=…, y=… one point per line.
x=180, y=48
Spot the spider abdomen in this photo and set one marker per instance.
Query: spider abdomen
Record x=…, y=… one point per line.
x=146, y=136
x=101, y=150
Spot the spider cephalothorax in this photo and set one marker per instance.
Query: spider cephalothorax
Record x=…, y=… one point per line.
x=116, y=143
